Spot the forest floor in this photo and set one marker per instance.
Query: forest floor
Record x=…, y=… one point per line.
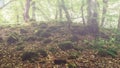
x=54, y=46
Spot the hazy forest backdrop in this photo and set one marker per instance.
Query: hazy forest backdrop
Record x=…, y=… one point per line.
x=59, y=33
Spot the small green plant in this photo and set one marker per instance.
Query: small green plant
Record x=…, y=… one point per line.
x=108, y=52
x=72, y=65
x=19, y=48
x=73, y=55
x=65, y=45
x=53, y=50
x=29, y=56
x=112, y=52
x=78, y=48
x=97, y=44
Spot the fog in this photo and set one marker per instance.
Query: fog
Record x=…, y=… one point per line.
x=59, y=34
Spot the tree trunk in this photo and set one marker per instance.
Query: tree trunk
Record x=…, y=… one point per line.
x=26, y=11
x=104, y=12
x=67, y=14
x=82, y=12
x=119, y=22
x=33, y=10
x=92, y=20
x=60, y=10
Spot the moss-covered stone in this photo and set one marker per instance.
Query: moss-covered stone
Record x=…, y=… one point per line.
x=42, y=52
x=1, y=40
x=42, y=33
x=66, y=45
x=29, y=56
x=60, y=61
x=23, y=31
x=47, y=41
x=11, y=40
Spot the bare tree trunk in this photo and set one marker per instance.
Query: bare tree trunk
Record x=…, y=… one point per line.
x=104, y=12
x=33, y=10
x=119, y=22
x=60, y=10
x=83, y=19
x=92, y=20
x=56, y=14
x=67, y=13
x=26, y=10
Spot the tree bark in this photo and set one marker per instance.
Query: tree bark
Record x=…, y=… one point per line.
x=118, y=27
x=60, y=10
x=67, y=14
x=104, y=12
x=82, y=11
x=26, y=11
x=33, y=10
x=92, y=20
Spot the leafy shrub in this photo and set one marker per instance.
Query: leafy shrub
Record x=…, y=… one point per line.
x=29, y=56
x=65, y=45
